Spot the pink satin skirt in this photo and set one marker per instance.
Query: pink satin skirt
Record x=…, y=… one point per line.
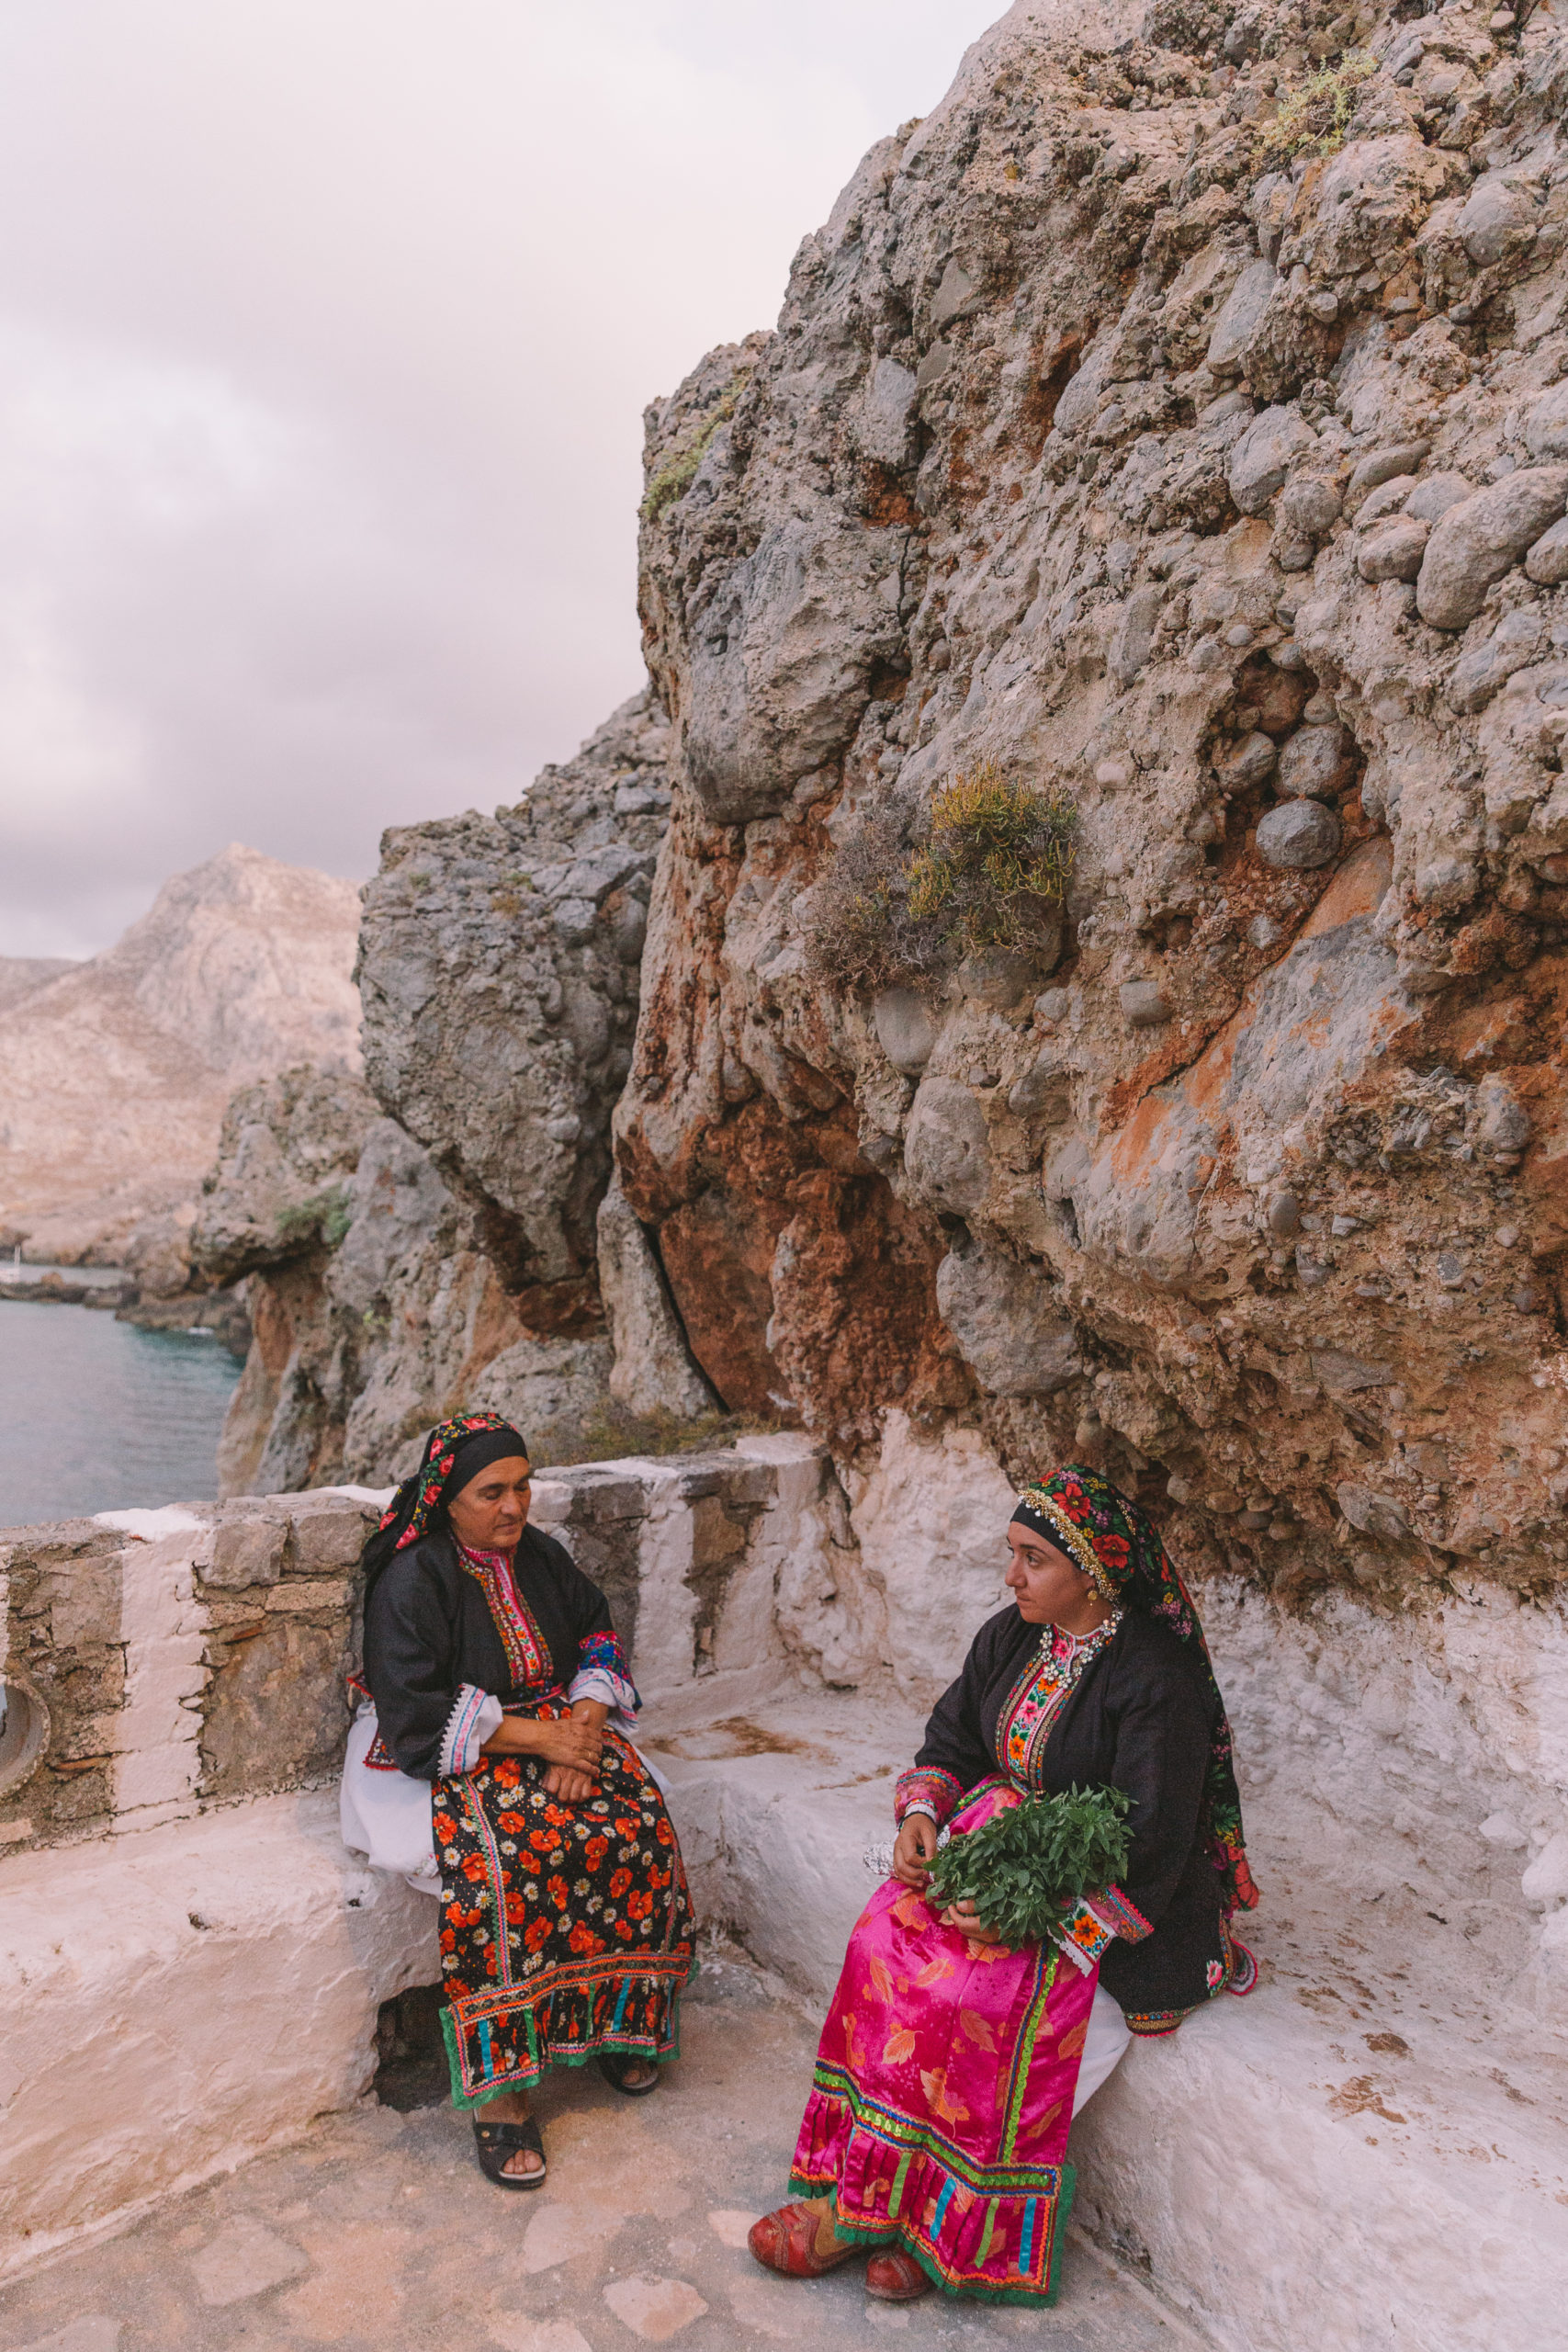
x=943, y=2094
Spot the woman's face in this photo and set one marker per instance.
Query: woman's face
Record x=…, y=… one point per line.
x=1049, y=1587
x=489, y=1514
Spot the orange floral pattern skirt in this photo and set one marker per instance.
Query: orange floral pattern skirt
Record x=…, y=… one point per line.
x=566, y=1930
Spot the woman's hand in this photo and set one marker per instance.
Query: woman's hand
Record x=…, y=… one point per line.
x=964, y=1916
x=573, y=1744
x=573, y=1783
x=914, y=1850
x=570, y=1741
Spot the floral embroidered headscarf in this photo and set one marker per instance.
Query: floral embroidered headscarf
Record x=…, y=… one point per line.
x=455, y=1451
x=1116, y=1542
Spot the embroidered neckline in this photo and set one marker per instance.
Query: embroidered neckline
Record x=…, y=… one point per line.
x=1038, y=1696
x=527, y=1652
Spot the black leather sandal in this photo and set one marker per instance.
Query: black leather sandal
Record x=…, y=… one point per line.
x=496, y=2143
x=613, y=2067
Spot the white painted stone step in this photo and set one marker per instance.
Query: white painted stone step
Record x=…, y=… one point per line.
x=1357, y=2157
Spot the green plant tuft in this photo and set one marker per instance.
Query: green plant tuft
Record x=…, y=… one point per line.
x=1315, y=117
x=1025, y=1870
x=612, y=1431
x=996, y=854
x=678, y=473
x=324, y=1217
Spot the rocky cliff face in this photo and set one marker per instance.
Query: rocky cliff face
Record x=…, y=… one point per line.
x=117, y=1069
x=403, y=1266
x=1173, y=419
x=374, y=1308
x=499, y=969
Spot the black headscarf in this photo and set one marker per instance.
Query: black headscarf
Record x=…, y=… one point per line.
x=455, y=1452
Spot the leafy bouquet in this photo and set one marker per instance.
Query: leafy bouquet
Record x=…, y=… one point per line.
x=1027, y=1868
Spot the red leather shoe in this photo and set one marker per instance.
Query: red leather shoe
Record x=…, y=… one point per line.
x=786, y=2241
x=896, y=2277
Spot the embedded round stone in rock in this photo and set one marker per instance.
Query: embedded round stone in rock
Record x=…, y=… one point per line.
x=1001, y=977
x=1240, y=317
x=1546, y=428
x=1547, y=561
x=944, y=1149
x=1494, y=220
x=906, y=1030
x=1284, y=1214
x=1382, y=465
x=1478, y=673
x=1312, y=763
x=1142, y=1003
x=1393, y=551
x=1432, y=498
x=1264, y=455
x=1503, y=1124
x=1478, y=540
x=1251, y=760
x=1309, y=508
x=1042, y=1091
x=574, y=920
x=1298, y=835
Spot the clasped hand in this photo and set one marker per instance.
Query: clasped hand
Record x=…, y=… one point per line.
x=914, y=1851
x=571, y=1747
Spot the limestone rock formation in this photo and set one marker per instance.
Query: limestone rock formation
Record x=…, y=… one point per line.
x=1173, y=418
x=499, y=969
x=117, y=1069
x=374, y=1309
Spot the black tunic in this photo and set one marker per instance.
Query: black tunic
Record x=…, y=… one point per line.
x=428, y=1629
x=1140, y=1719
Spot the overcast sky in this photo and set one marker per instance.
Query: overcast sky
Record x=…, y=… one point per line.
x=325, y=331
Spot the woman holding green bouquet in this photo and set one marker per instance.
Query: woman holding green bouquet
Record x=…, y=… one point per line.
x=951, y=2064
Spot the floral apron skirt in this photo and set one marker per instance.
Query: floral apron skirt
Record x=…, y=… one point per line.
x=566, y=1930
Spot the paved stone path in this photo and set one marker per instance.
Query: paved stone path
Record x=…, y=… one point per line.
x=378, y=2234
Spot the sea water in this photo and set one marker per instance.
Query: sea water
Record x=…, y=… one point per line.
x=97, y=1415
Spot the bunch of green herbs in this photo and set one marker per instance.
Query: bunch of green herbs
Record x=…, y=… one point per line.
x=1026, y=1869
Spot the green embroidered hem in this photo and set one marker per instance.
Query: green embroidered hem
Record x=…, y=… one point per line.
x=610, y=2046
x=891, y=2233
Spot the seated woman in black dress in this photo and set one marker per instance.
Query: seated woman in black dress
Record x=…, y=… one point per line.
x=492, y=1765
x=951, y=2067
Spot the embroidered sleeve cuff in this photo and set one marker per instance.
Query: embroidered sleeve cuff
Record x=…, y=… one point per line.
x=1122, y=1917
x=473, y=1719
x=1083, y=1936
x=604, y=1672
x=612, y=1690
x=926, y=1789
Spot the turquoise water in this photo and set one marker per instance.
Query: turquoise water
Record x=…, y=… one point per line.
x=97, y=1415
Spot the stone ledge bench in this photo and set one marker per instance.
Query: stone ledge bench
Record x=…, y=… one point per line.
x=1355, y=2154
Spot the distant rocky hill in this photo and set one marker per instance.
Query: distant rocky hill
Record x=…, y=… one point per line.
x=117, y=1070
x=23, y=976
